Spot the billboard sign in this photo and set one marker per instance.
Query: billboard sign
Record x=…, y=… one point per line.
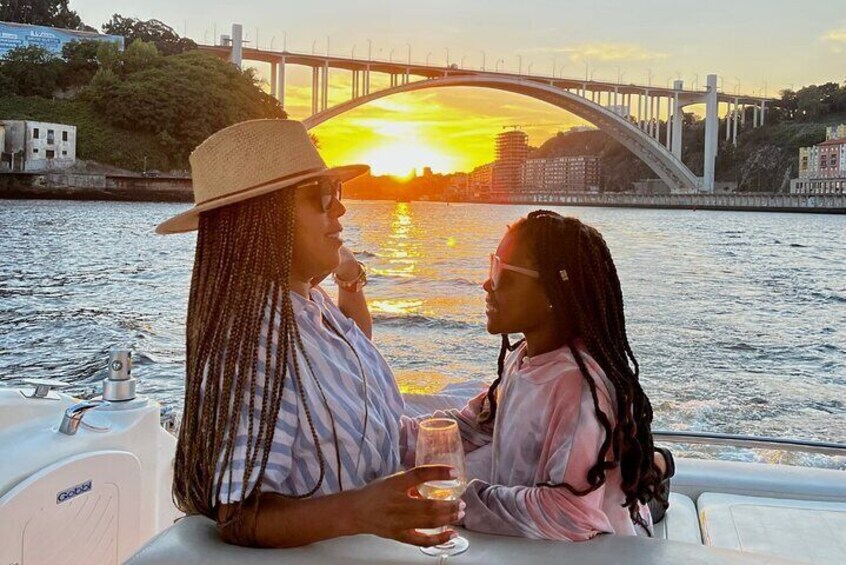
x=13, y=35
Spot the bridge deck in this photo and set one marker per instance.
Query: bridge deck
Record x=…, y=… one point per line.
x=435, y=71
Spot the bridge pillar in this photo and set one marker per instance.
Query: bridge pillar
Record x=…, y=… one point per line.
x=273, y=78
x=734, y=124
x=712, y=128
x=763, y=111
x=728, y=120
x=280, y=85
x=236, y=56
x=324, y=103
x=315, y=89
x=669, y=124
x=367, y=80
x=658, y=119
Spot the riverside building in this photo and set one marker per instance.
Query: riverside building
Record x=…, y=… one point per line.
x=561, y=174
x=512, y=148
x=480, y=181
x=32, y=147
x=822, y=168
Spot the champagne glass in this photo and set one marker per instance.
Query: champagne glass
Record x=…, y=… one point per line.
x=439, y=443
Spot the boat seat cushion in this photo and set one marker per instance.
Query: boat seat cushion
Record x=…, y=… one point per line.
x=194, y=541
x=803, y=530
x=681, y=522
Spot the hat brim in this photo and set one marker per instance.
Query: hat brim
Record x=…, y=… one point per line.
x=190, y=219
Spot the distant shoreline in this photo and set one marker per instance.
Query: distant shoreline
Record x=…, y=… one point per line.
x=130, y=188
x=107, y=187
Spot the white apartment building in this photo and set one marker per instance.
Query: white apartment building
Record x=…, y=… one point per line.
x=30, y=146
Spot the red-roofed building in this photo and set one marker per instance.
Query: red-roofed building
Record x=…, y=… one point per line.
x=822, y=168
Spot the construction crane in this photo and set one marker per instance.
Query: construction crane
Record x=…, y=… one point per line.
x=516, y=127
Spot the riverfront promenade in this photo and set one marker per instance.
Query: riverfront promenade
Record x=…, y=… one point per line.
x=68, y=186
x=746, y=202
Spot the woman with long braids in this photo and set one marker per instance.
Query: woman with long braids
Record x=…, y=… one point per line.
x=290, y=432
x=569, y=423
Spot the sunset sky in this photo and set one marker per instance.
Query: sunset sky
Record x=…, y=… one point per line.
x=753, y=45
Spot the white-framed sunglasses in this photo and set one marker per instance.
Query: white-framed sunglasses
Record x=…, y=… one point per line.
x=330, y=189
x=498, y=265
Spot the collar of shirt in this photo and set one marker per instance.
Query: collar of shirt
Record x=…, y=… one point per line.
x=544, y=367
x=308, y=309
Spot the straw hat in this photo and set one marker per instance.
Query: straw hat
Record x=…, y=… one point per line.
x=248, y=160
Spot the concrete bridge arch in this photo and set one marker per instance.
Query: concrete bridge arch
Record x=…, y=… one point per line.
x=666, y=165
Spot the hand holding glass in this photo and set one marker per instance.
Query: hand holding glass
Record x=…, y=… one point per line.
x=439, y=443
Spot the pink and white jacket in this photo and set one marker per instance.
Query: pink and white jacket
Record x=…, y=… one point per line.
x=546, y=431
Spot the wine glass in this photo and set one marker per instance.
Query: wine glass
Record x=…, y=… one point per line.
x=439, y=443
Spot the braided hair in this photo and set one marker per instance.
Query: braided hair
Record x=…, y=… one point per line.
x=242, y=268
x=590, y=301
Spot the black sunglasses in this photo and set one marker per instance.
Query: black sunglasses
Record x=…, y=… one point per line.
x=330, y=189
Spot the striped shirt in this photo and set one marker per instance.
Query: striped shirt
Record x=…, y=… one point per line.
x=292, y=467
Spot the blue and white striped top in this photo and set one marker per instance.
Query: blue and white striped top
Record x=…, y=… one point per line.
x=293, y=467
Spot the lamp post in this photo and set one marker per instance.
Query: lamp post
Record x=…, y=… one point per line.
x=391, y=55
x=447, y=54
x=483, y=60
x=462, y=60
x=327, y=45
x=529, y=70
x=429, y=54
x=519, y=64
x=369, y=50
x=408, y=45
x=496, y=66
x=314, y=47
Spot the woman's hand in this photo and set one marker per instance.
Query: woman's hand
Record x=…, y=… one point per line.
x=346, y=270
x=392, y=508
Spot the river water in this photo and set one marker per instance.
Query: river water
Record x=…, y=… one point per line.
x=738, y=319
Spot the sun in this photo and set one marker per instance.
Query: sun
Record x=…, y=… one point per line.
x=398, y=158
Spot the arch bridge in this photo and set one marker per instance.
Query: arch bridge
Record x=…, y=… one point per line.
x=630, y=113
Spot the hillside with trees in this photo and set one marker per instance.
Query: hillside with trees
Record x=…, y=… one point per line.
x=763, y=161
x=147, y=105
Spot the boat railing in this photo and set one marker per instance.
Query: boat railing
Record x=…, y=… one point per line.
x=751, y=442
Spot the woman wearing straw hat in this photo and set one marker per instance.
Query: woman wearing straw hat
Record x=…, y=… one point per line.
x=290, y=431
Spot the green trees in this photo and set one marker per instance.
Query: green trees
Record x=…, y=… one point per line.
x=80, y=63
x=158, y=91
x=30, y=71
x=181, y=99
x=813, y=102
x=54, y=13
x=166, y=40
x=172, y=101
